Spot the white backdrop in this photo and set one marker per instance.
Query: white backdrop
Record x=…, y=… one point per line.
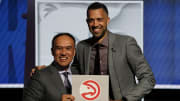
x=54, y=16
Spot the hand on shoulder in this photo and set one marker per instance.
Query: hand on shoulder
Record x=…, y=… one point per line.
x=37, y=68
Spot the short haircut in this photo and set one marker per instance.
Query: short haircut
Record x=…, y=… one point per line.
x=62, y=34
x=97, y=5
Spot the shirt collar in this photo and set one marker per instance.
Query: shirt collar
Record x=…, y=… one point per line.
x=68, y=70
x=104, y=42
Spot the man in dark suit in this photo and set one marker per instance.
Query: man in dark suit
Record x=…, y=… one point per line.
x=119, y=56
x=53, y=83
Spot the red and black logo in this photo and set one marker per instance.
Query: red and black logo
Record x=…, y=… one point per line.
x=90, y=90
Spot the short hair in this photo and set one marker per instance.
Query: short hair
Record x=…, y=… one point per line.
x=97, y=5
x=62, y=34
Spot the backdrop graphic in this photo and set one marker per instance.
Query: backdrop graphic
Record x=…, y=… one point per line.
x=160, y=44
x=12, y=41
x=161, y=40
x=54, y=16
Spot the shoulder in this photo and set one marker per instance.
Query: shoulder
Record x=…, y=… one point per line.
x=48, y=69
x=85, y=42
x=43, y=72
x=120, y=37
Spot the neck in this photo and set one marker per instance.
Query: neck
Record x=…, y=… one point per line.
x=101, y=38
x=59, y=67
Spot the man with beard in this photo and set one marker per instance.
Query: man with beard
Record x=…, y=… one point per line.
x=118, y=56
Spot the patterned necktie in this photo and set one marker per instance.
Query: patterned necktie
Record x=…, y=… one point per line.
x=67, y=83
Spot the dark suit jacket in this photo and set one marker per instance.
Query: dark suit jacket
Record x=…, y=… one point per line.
x=45, y=85
x=125, y=61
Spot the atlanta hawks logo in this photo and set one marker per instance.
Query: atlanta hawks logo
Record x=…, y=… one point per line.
x=90, y=90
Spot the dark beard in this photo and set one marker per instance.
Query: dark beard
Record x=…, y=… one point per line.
x=96, y=39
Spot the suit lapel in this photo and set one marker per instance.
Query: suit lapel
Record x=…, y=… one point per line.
x=112, y=70
x=87, y=52
x=58, y=83
x=111, y=50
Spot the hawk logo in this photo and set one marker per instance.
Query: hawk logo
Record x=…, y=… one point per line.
x=90, y=90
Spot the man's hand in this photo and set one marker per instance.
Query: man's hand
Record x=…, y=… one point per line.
x=38, y=68
x=68, y=97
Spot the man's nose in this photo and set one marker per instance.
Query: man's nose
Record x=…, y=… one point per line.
x=95, y=23
x=63, y=52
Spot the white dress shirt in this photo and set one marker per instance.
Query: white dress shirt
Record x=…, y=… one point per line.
x=69, y=75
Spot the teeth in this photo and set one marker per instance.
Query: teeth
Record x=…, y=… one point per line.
x=63, y=58
x=97, y=29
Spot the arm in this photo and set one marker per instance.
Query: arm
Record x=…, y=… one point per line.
x=76, y=62
x=34, y=90
x=141, y=69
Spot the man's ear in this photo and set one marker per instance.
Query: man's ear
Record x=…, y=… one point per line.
x=74, y=51
x=87, y=20
x=52, y=52
x=108, y=20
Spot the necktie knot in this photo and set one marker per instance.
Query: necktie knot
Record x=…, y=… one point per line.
x=97, y=46
x=65, y=74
